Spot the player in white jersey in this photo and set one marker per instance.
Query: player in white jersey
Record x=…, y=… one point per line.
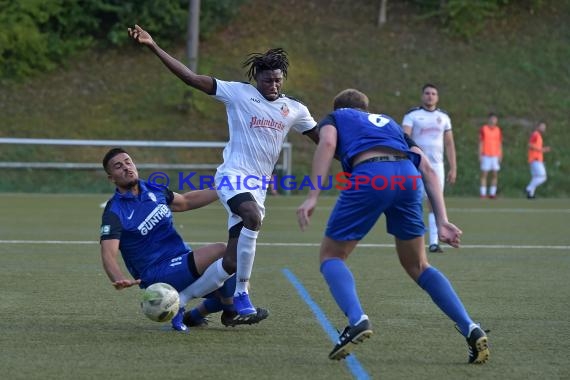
x=430, y=128
x=259, y=118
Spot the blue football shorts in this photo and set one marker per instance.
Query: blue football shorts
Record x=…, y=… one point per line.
x=392, y=188
x=174, y=272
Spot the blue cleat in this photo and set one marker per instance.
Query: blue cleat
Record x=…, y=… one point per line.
x=177, y=321
x=243, y=305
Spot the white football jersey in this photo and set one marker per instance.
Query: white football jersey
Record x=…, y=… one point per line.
x=257, y=127
x=428, y=128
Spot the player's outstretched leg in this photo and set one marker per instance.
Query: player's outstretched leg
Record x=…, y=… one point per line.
x=177, y=321
x=232, y=318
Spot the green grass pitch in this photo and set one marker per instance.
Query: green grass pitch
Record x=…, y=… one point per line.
x=61, y=318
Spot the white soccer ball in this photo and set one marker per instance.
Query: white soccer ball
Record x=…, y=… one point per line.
x=160, y=302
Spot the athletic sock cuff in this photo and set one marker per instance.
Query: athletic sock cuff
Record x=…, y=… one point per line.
x=249, y=233
x=426, y=276
x=327, y=262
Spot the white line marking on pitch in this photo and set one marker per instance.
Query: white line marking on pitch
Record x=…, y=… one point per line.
x=261, y=244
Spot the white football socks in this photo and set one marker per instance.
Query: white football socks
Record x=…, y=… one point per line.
x=213, y=277
x=245, y=256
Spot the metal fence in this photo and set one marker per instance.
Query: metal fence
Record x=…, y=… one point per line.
x=284, y=166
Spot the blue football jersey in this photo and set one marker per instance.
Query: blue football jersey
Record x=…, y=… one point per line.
x=358, y=131
x=144, y=226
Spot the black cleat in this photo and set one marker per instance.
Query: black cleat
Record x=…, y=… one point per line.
x=191, y=322
x=435, y=248
x=478, y=346
x=232, y=318
x=349, y=338
x=529, y=195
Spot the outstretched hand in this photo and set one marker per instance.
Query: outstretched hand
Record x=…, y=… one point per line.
x=450, y=234
x=121, y=284
x=140, y=35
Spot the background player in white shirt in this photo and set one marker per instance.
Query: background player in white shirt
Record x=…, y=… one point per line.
x=259, y=119
x=430, y=128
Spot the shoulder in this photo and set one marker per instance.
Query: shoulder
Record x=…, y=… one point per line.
x=231, y=85
x=327, y=120
x=291, y=99
x=535, y=135
x=413, y=109
x=158, y=189
x=112, y=211
x=109, y=206
x=442, y=111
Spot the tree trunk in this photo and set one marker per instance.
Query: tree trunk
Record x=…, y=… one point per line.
x=192, y=42
x=382, y=13
x=193, y=34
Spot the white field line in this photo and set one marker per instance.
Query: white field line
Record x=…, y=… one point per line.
x=262, y=244
x=477, y=210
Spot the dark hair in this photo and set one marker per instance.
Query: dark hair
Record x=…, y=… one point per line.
x=351, y=98
x=273, y=59
x=109, y=156
x=429, y=85
x=492, y=114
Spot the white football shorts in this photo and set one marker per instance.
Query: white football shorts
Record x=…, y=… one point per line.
x=490, y=163
x=230, y=185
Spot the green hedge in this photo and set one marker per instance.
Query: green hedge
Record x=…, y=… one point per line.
x=38, y=35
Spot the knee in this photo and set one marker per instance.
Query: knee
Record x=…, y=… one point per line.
x=251, y=218
x=220, y=248
x=332, y=250
x=229, y=264
x=414, y=270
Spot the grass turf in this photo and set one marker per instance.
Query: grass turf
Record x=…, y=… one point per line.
x=62, y=319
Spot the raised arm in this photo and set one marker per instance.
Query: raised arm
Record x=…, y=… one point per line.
x=201, y=82
x=193, y=200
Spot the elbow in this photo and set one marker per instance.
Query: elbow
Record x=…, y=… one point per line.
x=327, y=143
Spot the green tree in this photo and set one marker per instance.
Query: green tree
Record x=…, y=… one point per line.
x=38, y=35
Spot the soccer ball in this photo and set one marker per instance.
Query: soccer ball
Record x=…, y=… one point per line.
x=160, y=302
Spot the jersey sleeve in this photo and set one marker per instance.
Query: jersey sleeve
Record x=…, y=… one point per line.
x=447, y=126
x=111, y=227
x=168, y=195
x=225, y=91
x=327, y=120
x=411, y=143
x=408, y=120
x=305, y=121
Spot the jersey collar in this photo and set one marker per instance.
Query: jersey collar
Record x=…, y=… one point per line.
x=130, y=195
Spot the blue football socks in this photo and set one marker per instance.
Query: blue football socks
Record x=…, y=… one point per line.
x=441, y=292
x=343, y=289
